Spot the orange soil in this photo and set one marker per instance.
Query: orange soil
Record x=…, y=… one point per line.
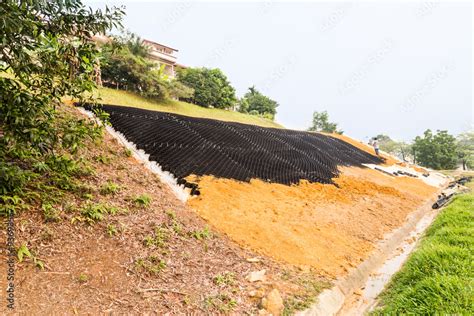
x=419, y=169
x=311, y=224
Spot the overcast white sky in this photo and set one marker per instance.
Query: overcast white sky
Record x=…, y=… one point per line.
x=396, y=68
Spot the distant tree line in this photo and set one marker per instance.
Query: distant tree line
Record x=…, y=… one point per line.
x=212, y=89
x=438, y=150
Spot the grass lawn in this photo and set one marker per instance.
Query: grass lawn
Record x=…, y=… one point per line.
x=438, y=278
x=118, y=97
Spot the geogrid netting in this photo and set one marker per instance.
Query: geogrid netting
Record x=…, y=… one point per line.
x=186, y=145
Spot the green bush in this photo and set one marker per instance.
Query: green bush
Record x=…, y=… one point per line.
x=126, y=66
x=255, y=103
x=211, y=87
x=46, y=55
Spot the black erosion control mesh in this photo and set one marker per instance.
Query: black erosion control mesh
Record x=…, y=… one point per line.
x=186, y=145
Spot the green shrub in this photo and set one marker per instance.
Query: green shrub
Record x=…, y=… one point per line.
x=201, y=234
x=142, y=200
x=109, y=188
x=211, y=87
x=158, y=239
x=151, y=265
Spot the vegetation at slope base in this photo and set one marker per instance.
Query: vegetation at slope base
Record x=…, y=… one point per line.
x=438, y=277
x=119, y=97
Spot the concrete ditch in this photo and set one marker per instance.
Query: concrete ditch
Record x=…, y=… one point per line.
x=357, y=292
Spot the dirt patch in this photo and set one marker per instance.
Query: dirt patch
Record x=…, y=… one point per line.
x=325, y=227
x=365, y=147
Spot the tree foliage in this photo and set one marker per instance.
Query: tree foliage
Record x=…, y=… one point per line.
x=436, y=151
x=46, y=53
x=211, y=87
x=399, y=149
x=465, y=149
x=256, y=103
x=321, y=123
x=125, y=65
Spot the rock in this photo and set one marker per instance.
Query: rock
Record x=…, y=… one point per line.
x=257, y=293
x=305, y=268
x=255, y=259
x=273, y=302
x=358, y=292
x=255, y=276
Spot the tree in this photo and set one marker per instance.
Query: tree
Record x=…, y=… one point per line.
x=46, y=47
x=465, y=149
x=46, y=54
x=321, y=123
x=256, y=103
x=178, y=90
x=125, y=65
x=399, y=149
x=211, y=87
x=436, y=151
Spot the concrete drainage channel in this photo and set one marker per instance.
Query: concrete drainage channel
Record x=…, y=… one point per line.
x=357, y=293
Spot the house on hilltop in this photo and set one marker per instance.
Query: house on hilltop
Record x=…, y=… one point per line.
x=164, y=55
x=161, y=54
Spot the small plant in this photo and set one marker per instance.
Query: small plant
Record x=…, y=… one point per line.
x=112, y=210
x=187, y=300
x=95, y=212
x=10, y=204
x=142, y=200
x=226, y=278
x=46, y=234
x=87, y=196
x=201, y=234
x=24, y=252
x=127, y=152
x=151, y=265
x=310, y=289
x=109, y=188
x=83, y=278
x=111, y=230
x=171, y=214
x=177, y=228
x=159, y=238
x=50, y=212
x=222, y=302
x=41, y=167
x=102, y=159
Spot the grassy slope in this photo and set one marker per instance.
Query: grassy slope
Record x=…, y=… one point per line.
x=118, y=97
x=438, y=277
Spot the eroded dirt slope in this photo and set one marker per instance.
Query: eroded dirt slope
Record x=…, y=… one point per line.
x=329, y=228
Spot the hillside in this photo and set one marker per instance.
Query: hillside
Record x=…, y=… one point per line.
x=118, y=240
x=350, y=197
x=126, y=98
x=133, y=246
